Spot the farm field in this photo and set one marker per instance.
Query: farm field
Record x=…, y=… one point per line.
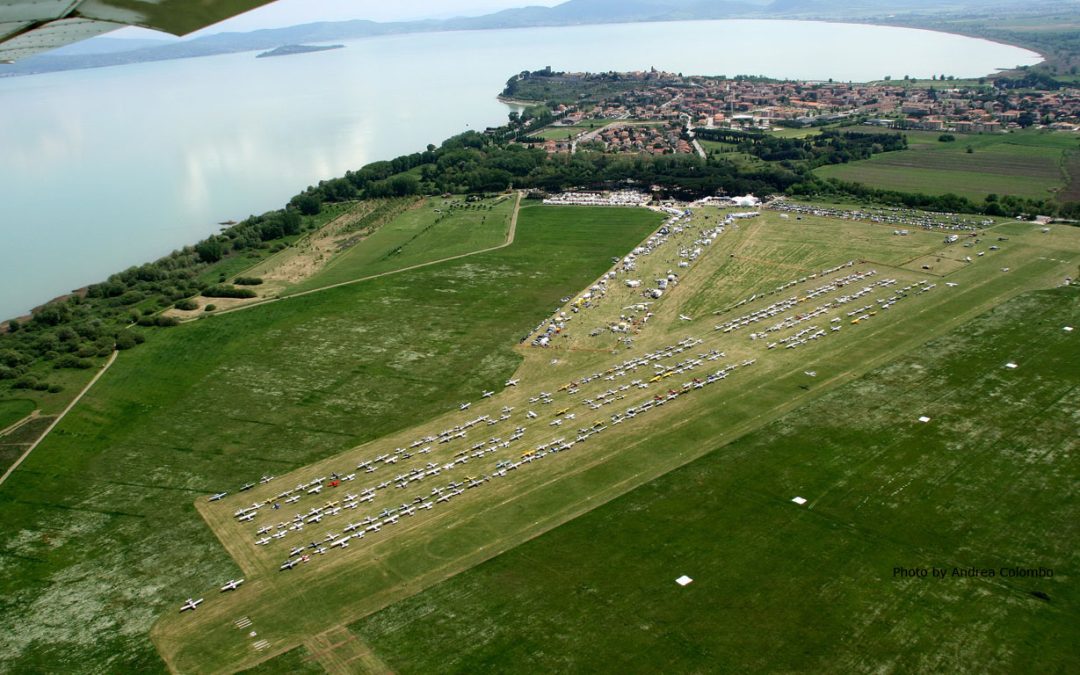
x=743, y=271
x=1024, y=164
x=103, y=533
x=988, y=482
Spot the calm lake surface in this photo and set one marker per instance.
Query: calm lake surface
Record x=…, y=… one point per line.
x=102, y=169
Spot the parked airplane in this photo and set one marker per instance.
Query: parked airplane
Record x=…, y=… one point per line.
x=488, y=394
x=464, y=406
x=220, y=495
x=512, y=383
x=190, y=604
x=232, y=585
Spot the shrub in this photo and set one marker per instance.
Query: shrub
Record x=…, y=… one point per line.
x=248, y=281
x=126, y=340
x=187, y=304
x=209, y=308
x=25, y=382
x=946, y=138
x=167, y=321
x=224, y=291
x=72, y=361
x=55, y=389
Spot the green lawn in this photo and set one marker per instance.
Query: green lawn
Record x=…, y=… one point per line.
x=436, y=228
x=989, y=482
x=560, y=133
x=100, y=534
x=1024, y=164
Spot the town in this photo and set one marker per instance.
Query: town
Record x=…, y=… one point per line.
x=649, y=112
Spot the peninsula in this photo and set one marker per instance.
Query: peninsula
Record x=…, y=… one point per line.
x=289, y=50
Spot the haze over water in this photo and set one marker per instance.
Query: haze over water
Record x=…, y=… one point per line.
x=107, y=168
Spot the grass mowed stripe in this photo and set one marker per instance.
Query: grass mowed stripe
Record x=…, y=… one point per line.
x=100, y=521
x=989, y=483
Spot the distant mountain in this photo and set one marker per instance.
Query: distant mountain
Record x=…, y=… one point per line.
x=100, y=52
x=107, y=45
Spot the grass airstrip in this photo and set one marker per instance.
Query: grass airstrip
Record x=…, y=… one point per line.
x=569, y=558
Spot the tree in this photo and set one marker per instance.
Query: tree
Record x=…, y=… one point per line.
x=210, y=250
x=309, y=205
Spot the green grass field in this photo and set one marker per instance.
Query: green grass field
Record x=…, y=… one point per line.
x=105, y=540
x=1024, y=164
x=989, y=483
x=101, y=536
x=309, y=605
x=436, y=228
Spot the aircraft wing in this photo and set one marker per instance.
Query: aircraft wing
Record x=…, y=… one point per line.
x=29, y=27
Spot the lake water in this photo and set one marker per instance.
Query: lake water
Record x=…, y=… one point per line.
x=102, y=169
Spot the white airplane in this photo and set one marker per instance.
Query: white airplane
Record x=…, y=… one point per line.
x=289, y=564
x=487, y=394
x=683, y=317
x=220, y=495
x=296, y=551
x=531, y=415
x=343, y=542
x=246, y=517
x=512, y=383
x=232, y=585
x=263, y=542
x=190, y=604
x=464, y=406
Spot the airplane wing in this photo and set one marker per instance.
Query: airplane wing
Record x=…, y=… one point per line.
x=29, y=27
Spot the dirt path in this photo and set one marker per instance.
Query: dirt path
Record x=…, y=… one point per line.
x=32, y=416
x=509, y=240
x=59, y=417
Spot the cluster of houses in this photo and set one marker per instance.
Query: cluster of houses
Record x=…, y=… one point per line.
x=761, y=104
x=645, y=139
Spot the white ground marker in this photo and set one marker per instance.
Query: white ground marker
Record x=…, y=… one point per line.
x=799, y=500
x=1010, y=365
x=1068, y=329
x=683, y=580
x=924, y=418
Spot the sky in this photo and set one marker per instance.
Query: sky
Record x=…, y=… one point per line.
x=292, y=12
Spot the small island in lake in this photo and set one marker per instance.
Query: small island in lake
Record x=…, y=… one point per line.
x=289, y=50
